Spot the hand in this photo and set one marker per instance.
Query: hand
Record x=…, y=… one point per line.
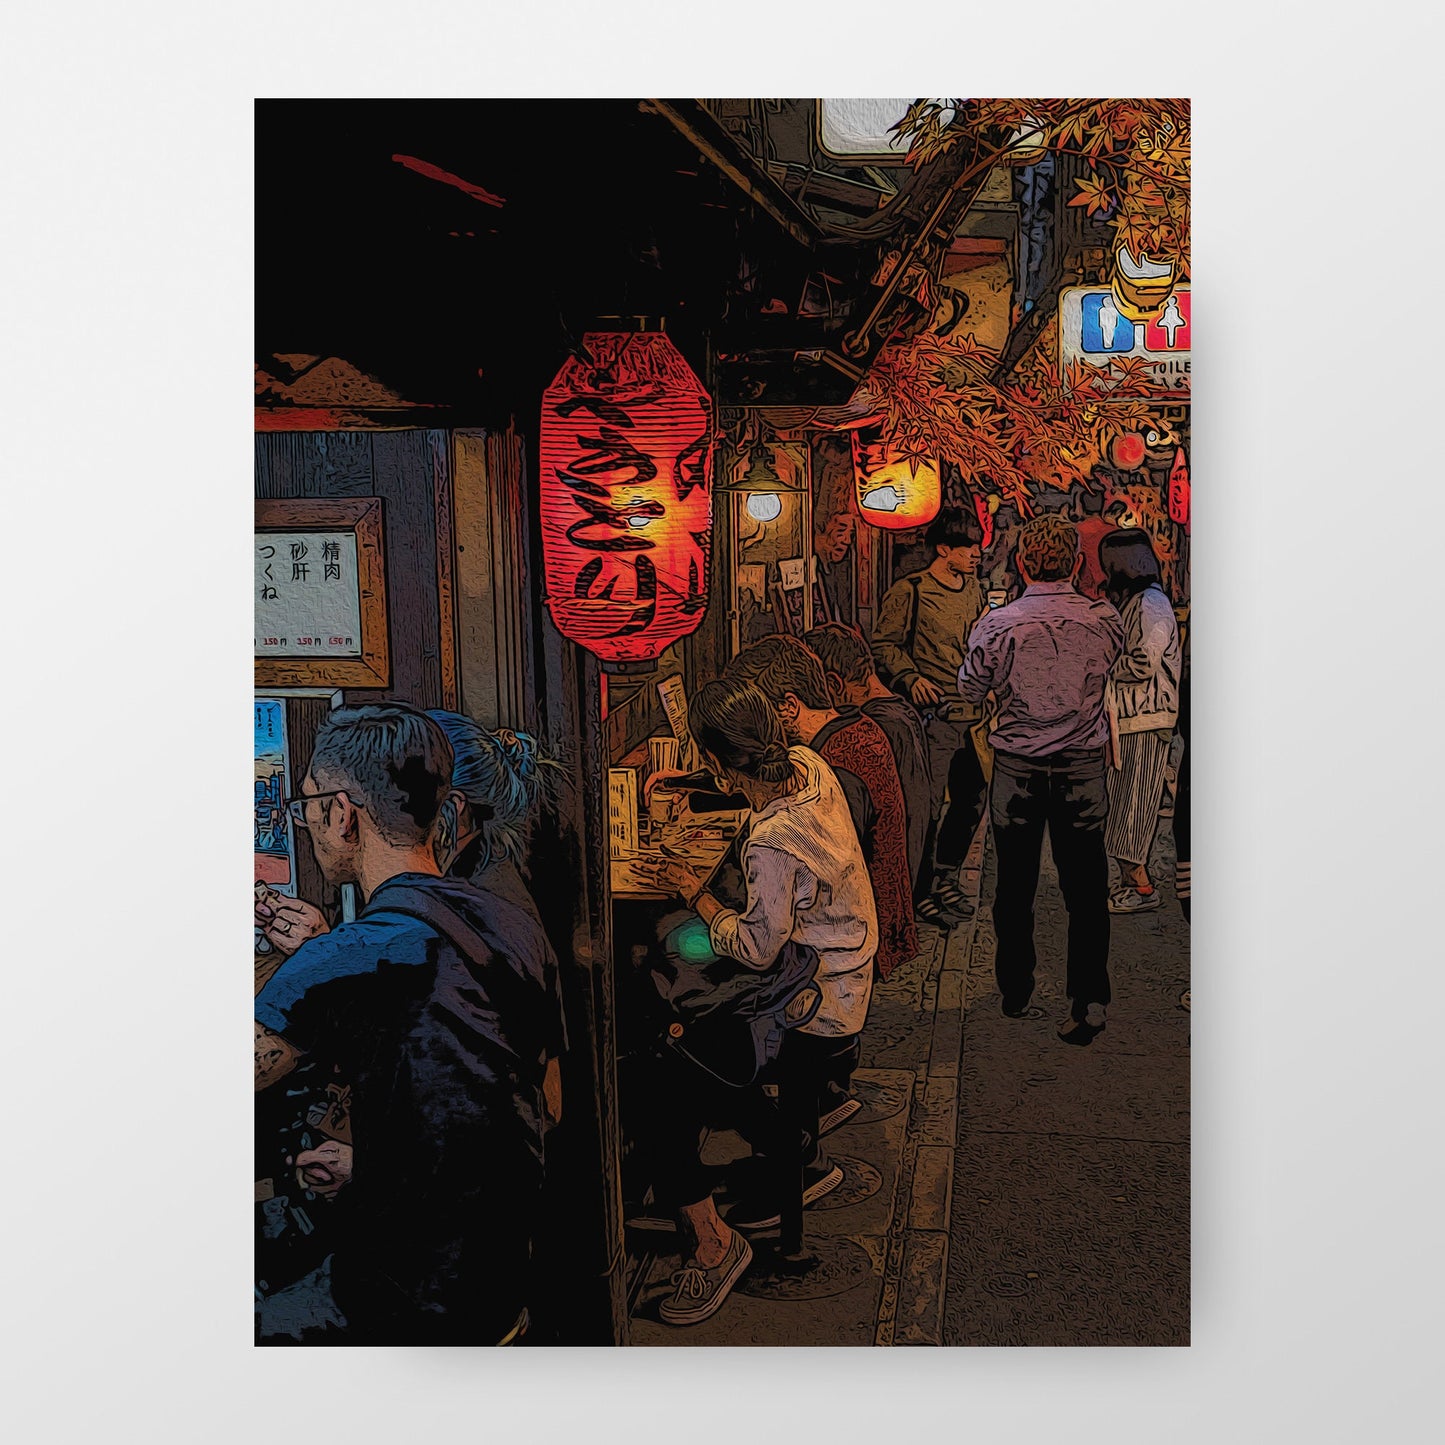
x=287, y=923
x=924, y=693
x=674, y=876
x=661, y=778
x=325, y=1169
x=552, y=1091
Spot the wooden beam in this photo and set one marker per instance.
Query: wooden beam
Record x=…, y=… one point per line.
x=694, y=121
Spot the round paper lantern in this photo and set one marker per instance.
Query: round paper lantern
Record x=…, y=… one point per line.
x=1028, y=144
x=1141, y=287
x=894, y=492
x=626, y=460
x=1126, y=452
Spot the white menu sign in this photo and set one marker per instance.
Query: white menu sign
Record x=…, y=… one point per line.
x=308, y=594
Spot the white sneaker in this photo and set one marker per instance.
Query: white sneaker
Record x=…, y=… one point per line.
x=836, y=1116
x=698, y=1292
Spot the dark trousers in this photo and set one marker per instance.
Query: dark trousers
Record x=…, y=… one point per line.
x=953, y=764
x=1066, y=792
x=784, y=1131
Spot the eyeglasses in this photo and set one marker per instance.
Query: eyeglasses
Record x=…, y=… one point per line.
x=296, y=807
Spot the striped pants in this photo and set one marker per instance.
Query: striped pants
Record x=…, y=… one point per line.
x=1136, y=788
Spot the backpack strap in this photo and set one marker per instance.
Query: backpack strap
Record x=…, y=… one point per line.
x=915, y=581
x=506, y=992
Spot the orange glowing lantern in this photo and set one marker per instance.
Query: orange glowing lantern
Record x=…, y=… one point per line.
x=894, y=491
x=626, y=457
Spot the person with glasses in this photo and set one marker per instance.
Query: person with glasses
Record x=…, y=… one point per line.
x=440, y=1006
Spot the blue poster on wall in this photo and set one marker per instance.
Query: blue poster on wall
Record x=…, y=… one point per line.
x=275, y=857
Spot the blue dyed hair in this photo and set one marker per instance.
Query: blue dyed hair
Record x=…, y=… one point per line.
x=501, y=780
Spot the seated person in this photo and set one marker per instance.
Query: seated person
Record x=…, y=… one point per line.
x=853, y=682
x=439, y=1005
x=496, y=784
x=857, y=752
x=806, y=881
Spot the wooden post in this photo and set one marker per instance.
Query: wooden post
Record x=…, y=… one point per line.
x=581, y=1296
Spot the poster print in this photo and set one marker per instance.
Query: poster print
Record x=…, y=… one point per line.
x=274, y=866
x=856, y=433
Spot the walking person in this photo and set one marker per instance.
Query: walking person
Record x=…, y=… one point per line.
x=1144, y=698
x=1046, y=657
x=919, y=644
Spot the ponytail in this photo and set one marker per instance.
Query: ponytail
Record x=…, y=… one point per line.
x=738, y=725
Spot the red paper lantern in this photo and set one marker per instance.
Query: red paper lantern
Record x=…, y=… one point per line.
x=1126, y=452
x=894, y=492
x=626, y=454
x=1179, y=490
x=985, y=519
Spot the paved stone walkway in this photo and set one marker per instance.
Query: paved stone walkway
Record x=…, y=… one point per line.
x=1070, y=1199
x=1002, y=1188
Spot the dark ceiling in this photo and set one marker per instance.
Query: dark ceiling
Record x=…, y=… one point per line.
x=607, y=209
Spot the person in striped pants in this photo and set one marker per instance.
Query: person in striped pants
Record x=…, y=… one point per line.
x=1144, y=705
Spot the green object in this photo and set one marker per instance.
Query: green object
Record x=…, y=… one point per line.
x=691, y=942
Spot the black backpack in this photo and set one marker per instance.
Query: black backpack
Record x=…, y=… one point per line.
x=728, y=1019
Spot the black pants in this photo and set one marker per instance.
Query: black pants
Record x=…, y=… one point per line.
x=1065, y=791
x=785, y=1132
x=953, y=763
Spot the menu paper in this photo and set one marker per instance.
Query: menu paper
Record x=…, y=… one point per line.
x=622, y=810
x=674, y=707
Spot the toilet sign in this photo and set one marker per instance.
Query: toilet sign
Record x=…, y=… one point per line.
x=1094, y=331
x=1169, y=331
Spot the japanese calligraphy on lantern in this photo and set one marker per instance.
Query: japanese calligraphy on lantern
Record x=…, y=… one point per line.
x=308, y=598
x=626, y=496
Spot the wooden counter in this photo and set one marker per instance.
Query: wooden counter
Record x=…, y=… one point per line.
x=701, y=840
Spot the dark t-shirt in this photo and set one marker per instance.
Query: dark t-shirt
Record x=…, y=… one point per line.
x=445, y=1055
x=904, y=730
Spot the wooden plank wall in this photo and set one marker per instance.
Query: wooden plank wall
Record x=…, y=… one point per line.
x=494, y=579
x=405, y=469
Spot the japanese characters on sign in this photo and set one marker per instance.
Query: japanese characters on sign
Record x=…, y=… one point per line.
x=1093, y=330
x=308, y=595
x=626, y=496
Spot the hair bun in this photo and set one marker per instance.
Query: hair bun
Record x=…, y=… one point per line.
x=774, y=764
x=520, y=751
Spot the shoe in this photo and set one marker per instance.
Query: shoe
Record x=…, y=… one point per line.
x=931, y=912
x=836, y=1116
x=1021, y=1010
x=698, y=1292
x=818, y=1180
x=954, y=902
x=1083, y=1031
x=1130, y=900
